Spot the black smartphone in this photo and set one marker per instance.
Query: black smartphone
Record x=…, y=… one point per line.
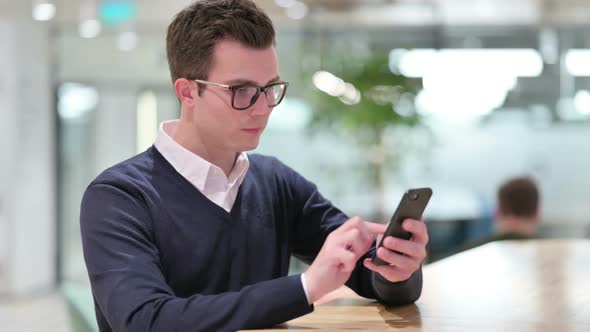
x=411, y=206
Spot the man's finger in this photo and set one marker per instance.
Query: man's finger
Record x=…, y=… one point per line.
x=354, y=241
x=391, y=273
x=379, y=238
x=347, y=260
x=353, y=222
x=409, y=248
x=418, y=230
x=401, y=261
x=374, y=228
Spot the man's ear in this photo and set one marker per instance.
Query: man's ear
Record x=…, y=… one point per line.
x=185, y=91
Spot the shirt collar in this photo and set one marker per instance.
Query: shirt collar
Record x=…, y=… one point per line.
x=191, y=166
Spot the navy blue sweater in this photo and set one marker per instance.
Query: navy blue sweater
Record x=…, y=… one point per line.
x=163, y=257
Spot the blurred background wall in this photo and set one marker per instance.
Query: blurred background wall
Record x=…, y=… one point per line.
x=502, y=90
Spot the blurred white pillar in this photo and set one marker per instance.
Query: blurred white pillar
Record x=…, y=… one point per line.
x=168, y=105
x=27, y=158
x=115, y=125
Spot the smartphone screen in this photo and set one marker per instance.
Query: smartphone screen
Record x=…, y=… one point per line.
x=411, y=206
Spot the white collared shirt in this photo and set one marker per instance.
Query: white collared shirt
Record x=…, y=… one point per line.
x=209, y=179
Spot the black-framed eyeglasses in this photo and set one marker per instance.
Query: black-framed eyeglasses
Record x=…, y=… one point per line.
x=245, y=95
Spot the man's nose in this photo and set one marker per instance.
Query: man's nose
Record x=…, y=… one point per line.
x=260, y=107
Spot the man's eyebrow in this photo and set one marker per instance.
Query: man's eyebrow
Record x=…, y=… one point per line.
x=276, y=79
x=245, y=81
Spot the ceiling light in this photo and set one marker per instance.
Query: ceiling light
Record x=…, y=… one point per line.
x=43, y=10
x=329, y=83
x=285, y=3
x=297, y=11
x=514, y=62
x=90, y=28
x=582, y=102
x=577, y=62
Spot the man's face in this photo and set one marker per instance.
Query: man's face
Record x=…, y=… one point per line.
x=219, y=125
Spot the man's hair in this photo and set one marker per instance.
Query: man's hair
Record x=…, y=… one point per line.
x=195, y=30
x=519, y=197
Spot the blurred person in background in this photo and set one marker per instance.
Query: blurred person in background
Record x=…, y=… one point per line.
x=517, y=213
x=196, y=235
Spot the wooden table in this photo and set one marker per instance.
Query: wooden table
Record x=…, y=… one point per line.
x=540, y=285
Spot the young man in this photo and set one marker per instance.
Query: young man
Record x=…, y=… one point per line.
x=195, y=235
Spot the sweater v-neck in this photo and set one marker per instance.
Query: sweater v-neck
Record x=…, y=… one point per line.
x=191, y=190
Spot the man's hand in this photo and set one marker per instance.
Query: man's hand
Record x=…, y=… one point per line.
x=338, y=256
x=404, y=256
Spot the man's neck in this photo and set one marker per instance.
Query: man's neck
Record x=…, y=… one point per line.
x=525, y=226
x=190, y=140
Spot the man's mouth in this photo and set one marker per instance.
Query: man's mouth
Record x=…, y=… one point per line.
x=253, y=130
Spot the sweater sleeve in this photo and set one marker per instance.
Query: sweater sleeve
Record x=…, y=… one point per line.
x=130, y=288
x=315, y=219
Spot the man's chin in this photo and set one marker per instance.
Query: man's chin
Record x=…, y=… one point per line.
x=249, y=146
x=248, y=142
